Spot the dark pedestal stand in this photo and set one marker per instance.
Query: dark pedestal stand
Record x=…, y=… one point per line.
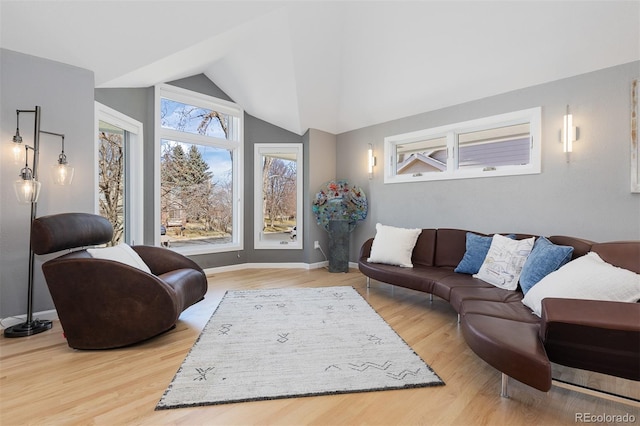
x=339, y=246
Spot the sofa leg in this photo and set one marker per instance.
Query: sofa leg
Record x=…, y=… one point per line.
x=368, y=282
x=504, y=392
x=430, y=297
x=458, y=318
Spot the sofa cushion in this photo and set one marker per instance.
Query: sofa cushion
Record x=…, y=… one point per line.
x=450, y=247
x=588, y=277
x=393, y=245
x=443, y=286
x=512, y=347
x=580, y=245
x=419, y=277
x=504, y=261
x=122, y=253
x=460, y=295
x=545, y=258
x=425, y=248
x=511, y=310
x=623, y=254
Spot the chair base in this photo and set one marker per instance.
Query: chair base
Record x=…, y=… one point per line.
x=28, y=328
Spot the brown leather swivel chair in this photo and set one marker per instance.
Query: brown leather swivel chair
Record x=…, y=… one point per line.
x=105, y=304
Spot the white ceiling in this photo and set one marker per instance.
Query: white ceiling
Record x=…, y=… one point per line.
x=330, y=65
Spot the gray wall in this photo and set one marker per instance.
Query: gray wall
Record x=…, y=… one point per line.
x=588, y=197
x=259, y=131
x=65, y=94
x=137, y=103
x=321, y=165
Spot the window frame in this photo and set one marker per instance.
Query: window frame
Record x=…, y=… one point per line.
x=134, y=201
x=532, y=116
x=276, y=148
x=236, y=144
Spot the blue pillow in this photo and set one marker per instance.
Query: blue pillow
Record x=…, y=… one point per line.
x=477, y=248
x=545, y=258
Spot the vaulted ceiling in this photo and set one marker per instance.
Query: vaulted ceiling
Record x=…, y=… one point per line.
x=330, y=65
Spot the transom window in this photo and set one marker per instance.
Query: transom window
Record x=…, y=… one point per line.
x=506, y=144
x=199, y=161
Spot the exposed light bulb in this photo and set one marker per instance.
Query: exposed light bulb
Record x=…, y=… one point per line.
x=27, y=190
x=62, y=174
x=17, y=151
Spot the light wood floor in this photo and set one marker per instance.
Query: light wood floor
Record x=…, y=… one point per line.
x=43, y=381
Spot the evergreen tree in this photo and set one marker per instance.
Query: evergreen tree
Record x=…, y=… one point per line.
x=198, y=170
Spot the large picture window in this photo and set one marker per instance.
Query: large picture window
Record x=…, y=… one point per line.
x=500, y=145
x=199, y=140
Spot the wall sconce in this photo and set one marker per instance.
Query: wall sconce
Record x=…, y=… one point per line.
x=371, y=161
x=27, y=190
x=569, y=133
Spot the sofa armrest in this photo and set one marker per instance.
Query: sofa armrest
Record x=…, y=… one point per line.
x=593, y=335
x=596, y=314
x=161, y=260
x=365, y=250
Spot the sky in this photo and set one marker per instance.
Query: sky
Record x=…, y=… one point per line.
x=186, y=118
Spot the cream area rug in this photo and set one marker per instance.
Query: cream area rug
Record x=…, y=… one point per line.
x=283, y=343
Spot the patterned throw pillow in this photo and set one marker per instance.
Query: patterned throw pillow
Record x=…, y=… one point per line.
x=477, y=247
x=504, y=261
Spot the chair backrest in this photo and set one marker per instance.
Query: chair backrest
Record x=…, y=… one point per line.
x=53, y=233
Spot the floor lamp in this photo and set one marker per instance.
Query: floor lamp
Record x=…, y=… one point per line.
x=27, y=190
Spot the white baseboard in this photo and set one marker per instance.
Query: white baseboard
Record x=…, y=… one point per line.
x=19, y=319
x=241, y=266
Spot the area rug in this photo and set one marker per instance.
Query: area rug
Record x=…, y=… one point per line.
x=284, y=343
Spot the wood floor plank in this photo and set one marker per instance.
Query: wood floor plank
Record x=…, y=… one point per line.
x=43, y=381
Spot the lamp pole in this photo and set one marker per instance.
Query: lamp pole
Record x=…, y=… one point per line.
x=31, y=326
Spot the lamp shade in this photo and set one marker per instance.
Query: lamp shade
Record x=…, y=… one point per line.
x=62, y=174
x=27, y=190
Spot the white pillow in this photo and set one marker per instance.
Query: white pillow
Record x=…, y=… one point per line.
x=587, y=277
x=121, y=253
x=393, y=245
x=504, y=261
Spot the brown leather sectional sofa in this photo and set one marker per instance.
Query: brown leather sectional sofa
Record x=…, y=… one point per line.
x=592, y=335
